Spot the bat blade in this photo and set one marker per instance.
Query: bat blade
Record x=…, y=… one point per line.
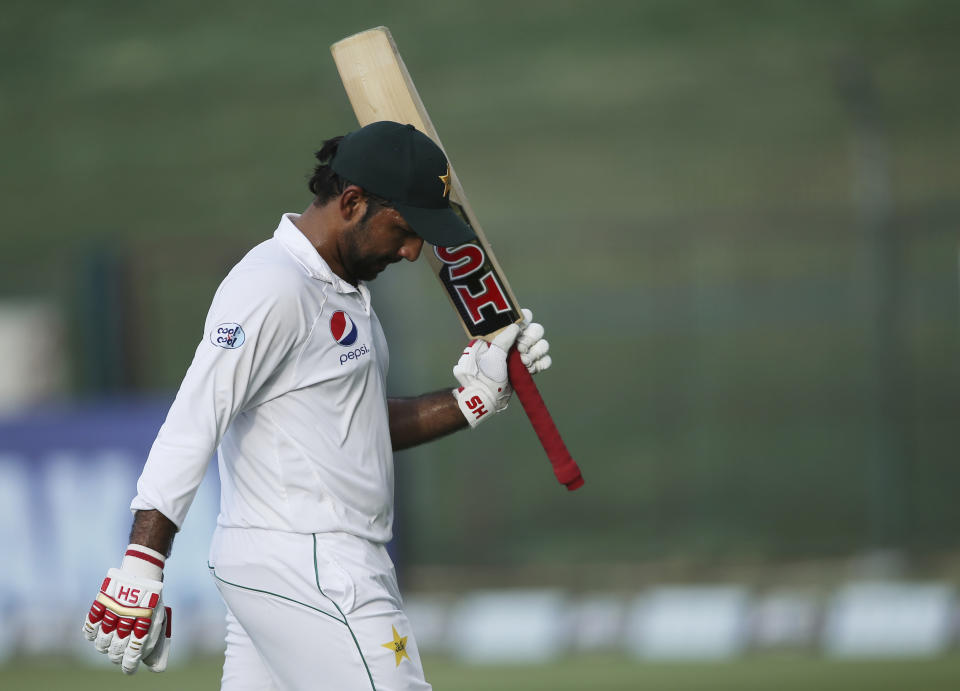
x=379, y=87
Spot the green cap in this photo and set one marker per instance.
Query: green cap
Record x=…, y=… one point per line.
x=405, y=167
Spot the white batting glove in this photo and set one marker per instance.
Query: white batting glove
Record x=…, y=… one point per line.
x=482, y=373
x=128, y=621
x=532, y=345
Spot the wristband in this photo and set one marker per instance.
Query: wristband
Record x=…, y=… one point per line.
x=143, y=562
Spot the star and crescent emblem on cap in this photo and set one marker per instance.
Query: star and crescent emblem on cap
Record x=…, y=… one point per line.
x=398, y=646
x=445, y=179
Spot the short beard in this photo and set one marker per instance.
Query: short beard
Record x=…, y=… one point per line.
x=360, y=266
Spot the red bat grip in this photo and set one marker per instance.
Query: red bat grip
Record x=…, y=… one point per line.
x=564, y=467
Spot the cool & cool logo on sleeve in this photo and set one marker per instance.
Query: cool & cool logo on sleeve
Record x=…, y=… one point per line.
x=228, y=336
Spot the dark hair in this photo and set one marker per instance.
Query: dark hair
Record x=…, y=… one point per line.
x=326, y=184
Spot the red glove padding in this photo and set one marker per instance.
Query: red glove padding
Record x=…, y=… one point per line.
x=127, y=621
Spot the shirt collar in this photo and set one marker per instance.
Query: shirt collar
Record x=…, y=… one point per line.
x=297, y=244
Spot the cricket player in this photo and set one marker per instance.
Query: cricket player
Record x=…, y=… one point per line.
x=289, y=386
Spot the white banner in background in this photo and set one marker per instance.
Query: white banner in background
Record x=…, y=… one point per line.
x=64, y=520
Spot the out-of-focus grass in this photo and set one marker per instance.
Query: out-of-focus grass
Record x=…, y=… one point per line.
x=593, y=673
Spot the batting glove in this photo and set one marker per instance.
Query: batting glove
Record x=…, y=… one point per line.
x=482, y=373
x=128, y=621
x=532, y=345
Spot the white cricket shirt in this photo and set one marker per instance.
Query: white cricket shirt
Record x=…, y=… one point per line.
x=289, y=382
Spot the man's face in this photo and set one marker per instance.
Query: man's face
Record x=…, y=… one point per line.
x=377, y=241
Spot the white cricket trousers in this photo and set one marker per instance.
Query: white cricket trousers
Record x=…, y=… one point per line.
x=319, y=612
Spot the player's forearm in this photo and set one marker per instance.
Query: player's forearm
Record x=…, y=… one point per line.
x=418, y=420
x=154, y=530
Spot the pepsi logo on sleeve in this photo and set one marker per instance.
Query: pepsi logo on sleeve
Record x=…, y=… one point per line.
x=343, y=329
x=228, y=336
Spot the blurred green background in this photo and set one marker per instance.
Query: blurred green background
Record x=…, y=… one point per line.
x=737, y=220
x=607, y=673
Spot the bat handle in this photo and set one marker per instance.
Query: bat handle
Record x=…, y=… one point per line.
x=564, y=467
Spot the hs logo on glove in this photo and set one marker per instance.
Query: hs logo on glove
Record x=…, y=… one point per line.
x=482, y=372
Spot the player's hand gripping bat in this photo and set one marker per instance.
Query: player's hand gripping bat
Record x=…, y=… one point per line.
x=380, y=88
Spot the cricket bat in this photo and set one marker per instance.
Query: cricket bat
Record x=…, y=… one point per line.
x=380, y=88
